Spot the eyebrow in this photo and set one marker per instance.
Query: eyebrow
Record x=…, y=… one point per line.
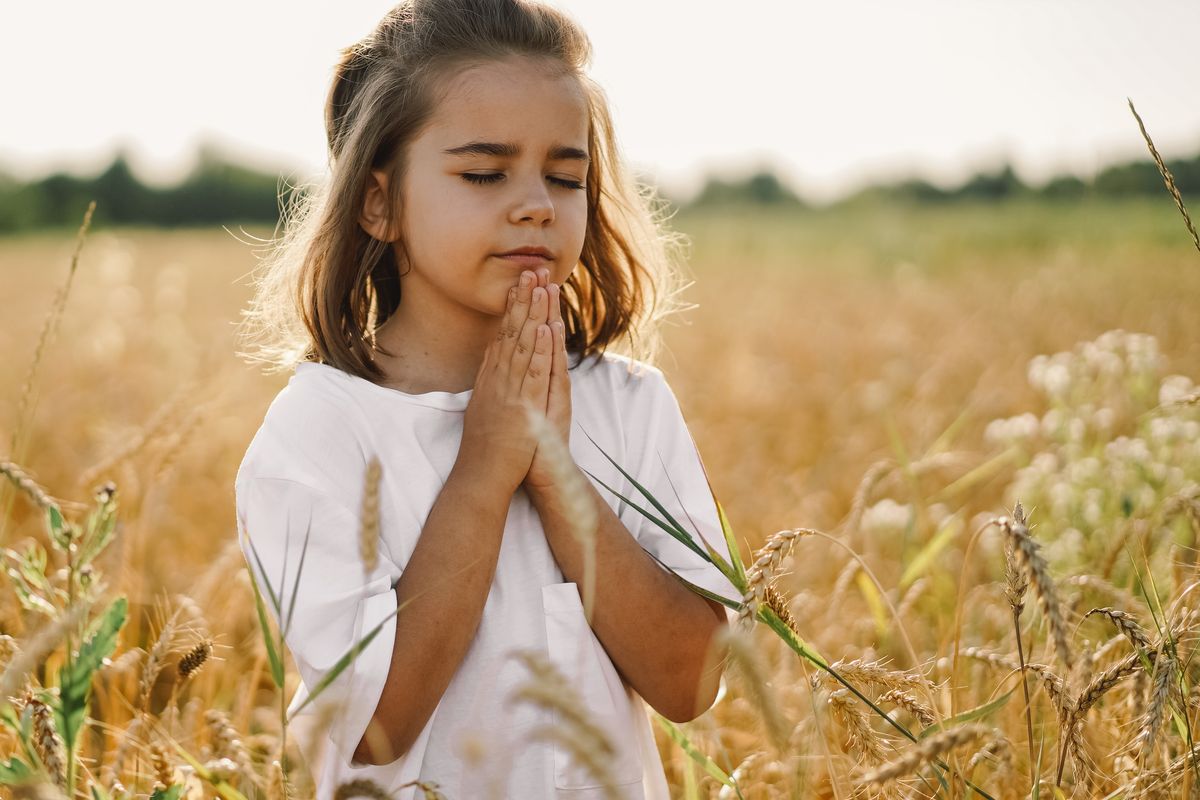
x=509, y=150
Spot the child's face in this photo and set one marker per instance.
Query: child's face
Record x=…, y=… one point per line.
x=460, y=211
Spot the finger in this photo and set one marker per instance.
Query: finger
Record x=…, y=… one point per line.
x=514, y=321
x=555, y=302
x=537, y=373
x=560, y=381
x=523, y=351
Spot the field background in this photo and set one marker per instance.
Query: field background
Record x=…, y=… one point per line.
x=823, y=341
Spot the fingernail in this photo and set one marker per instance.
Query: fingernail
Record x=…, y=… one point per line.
x=538, y=294
x=524, y=280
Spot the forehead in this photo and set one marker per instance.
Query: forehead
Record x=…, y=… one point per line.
x=518, y=99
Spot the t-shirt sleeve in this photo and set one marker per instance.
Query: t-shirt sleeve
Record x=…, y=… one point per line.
x=335, y=603
x=664, y=459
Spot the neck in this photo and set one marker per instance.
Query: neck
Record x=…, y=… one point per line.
x=435, y=346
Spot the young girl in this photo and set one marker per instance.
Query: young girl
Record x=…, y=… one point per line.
x=475, y=250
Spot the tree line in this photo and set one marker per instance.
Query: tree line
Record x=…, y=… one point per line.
x=220, y=192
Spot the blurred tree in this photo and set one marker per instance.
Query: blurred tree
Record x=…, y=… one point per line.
x=761, y=188
x=218, y=191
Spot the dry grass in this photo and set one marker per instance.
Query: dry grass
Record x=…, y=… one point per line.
x=821, y=347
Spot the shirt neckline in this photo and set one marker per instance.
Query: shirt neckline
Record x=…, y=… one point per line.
x=447, y=401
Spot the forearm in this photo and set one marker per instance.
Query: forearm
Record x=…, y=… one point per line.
x=656, y=631
x=439, y=583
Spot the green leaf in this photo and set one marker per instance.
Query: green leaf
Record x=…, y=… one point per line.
x=346, y=660
x=99, y=794
x=173, y=793
x=14, y=771
x=979, y=712
x=686, y=537
x=224, y=789
x=727, y=532
x=682, y=536
x=262, y=569
x=57, y=527
x=296, y=583
x=700, y=590
x=101, y=526
x=75, y=678
x=680, y=738
x=265, y=627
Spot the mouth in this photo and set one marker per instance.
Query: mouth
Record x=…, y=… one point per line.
x=525, y=259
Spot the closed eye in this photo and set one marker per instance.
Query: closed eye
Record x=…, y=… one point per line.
x=494, y=177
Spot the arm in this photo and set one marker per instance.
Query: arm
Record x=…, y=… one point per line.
x=656, y=630
x=467, y=518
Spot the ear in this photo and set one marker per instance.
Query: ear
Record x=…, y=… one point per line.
x=374, y=218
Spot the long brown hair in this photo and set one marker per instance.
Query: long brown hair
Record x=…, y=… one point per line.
x=326, y=285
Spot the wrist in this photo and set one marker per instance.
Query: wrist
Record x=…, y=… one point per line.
x=476, y=484
x=550, y=489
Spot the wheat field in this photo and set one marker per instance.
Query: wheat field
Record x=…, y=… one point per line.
x=893, y=381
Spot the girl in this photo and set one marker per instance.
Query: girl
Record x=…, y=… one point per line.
x=475, y=250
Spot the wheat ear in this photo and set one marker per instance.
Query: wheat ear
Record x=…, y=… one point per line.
x=368, y=538
x=1038, y=574
x=926, y=751
x=758, y=576
x=1167, y=177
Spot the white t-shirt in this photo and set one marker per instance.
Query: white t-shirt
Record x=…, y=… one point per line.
x=302, y=479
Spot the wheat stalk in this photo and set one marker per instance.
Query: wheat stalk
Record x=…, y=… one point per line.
x=154, y=661
x=575, y=495
x=47, y=742
x=49, y=329
x=548, y=688
x=368, y=539
x=1160, y=696
x=860, y=736
x=750, y=664
x=1167, y=177
x=30, y=654
x=758, y=576
x=227, y=745
x=1126, y=624
x=902, y=699
x=27, y=485
x=164, y=771
x=194, y=659
x=914, y=758
x=1038, y=574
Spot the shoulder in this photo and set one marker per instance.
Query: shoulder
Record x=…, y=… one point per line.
x=633, y=383
x=312, y=429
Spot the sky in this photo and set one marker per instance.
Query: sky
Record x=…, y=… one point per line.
x=832, y=95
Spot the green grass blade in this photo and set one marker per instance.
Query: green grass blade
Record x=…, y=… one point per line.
x=345, y=661
x=274, y=600
x=296, y=584
x=75, y=678
x=681, y=535
x=658, y=506
x=221, y=787
x=703, y=761
x=265, y=627
x=979, y=712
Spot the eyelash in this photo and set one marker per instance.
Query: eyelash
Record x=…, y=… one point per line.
x=493, y=177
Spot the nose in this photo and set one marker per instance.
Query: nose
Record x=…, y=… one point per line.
x=534, y=204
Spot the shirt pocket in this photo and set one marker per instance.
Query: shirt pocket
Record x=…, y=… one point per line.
x=577, y=653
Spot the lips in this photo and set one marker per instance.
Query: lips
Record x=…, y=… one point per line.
x=529, y=251
x=525, y=259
